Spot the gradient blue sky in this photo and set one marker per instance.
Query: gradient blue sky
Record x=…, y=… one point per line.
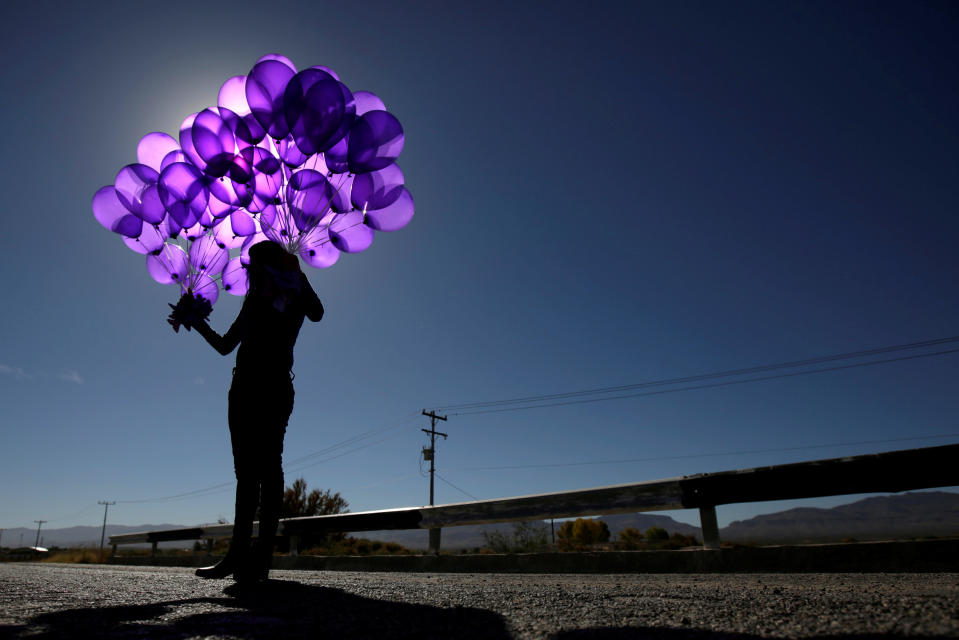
x=607, y=193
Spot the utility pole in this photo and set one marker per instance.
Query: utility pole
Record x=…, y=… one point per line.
x=431, y=452
x=103, y=531
x=39, y=524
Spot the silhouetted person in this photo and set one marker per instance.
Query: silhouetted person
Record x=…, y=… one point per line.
x=261, y=400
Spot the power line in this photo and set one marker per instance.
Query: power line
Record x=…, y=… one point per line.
x=465, y=493
x=706, y=376
x=707, y=386
x=700, y=455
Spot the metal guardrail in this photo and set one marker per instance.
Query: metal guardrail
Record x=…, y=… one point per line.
x=888, y=472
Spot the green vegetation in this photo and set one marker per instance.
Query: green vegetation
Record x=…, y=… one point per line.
x=527, y=537
x=631, y=539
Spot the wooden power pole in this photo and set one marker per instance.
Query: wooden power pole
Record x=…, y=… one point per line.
x=431, y=452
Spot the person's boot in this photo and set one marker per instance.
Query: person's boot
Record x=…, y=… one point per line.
x=235, y=558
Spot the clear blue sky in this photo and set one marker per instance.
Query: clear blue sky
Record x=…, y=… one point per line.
x=607, y=193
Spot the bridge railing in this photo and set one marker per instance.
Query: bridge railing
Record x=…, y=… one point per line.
x=888, y=472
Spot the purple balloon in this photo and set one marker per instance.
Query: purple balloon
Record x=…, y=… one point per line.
x=224, y=236
x=232, y=95
x=183, y=192
x=235, y=281
x=308, y=198
x=110, y=212
x=265, y=86
x=377, y=189
x=343, y=185
x=349, y=234
x=131, y=183
x=242, y=224
x=279, y=58
x=393, y=217
x=366, y=101
x=154, y=147
x=336, y=156
x=201, y=284
x=149, y=241
x=169, y=266
x=376, y=140
x=213, y=141
x=313, y=106
x=186, y=142
x=177, y=155
x=206, y=256
x=317, y=250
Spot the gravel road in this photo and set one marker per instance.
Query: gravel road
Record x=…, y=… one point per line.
x=71, y=601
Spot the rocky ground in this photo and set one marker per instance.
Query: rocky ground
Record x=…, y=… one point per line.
x=72, y=601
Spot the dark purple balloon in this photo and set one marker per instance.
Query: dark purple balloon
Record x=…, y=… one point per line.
x=377, y=189
x=376, y=140
x=183, y=192
x=313, y=107
x=265, y=86
x=308, y=196
x=336, y=156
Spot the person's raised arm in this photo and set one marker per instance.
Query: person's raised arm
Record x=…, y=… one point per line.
x=312, y=306
x=227, y=342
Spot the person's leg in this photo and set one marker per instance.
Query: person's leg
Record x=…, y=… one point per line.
x=245, y=465
x=271, y=481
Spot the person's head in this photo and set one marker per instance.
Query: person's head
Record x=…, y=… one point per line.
x=268, y=256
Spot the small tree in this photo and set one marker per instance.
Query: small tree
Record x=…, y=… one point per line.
x=631, y=539
x=581, y=533
x=657, y=534
x=297, y=503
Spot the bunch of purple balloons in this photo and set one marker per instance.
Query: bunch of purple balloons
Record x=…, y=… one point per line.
x=293, y=157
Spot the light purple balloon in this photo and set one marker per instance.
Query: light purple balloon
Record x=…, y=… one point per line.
x=232, y=95
x=131, y=182
x=149, y=241
x=110, y=212
x=206, y=256
x=394, y=216
x=235, y=281
x=279, y=58
x=349, y=234
x=177, y=155
x=186, y=142
x=377, y=189
x=169, y=266
x=224, y=236
x=366, y=101
x=376, y=140
x=201, y=284
x=317, y=250
x=242, y=224
x=154, y=147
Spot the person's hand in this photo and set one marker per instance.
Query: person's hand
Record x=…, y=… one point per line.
x=190, y=310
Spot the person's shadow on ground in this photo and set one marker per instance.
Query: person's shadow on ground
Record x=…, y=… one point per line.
x=276, y=609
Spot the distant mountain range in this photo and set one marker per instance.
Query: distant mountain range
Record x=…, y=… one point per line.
x=908, y=515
